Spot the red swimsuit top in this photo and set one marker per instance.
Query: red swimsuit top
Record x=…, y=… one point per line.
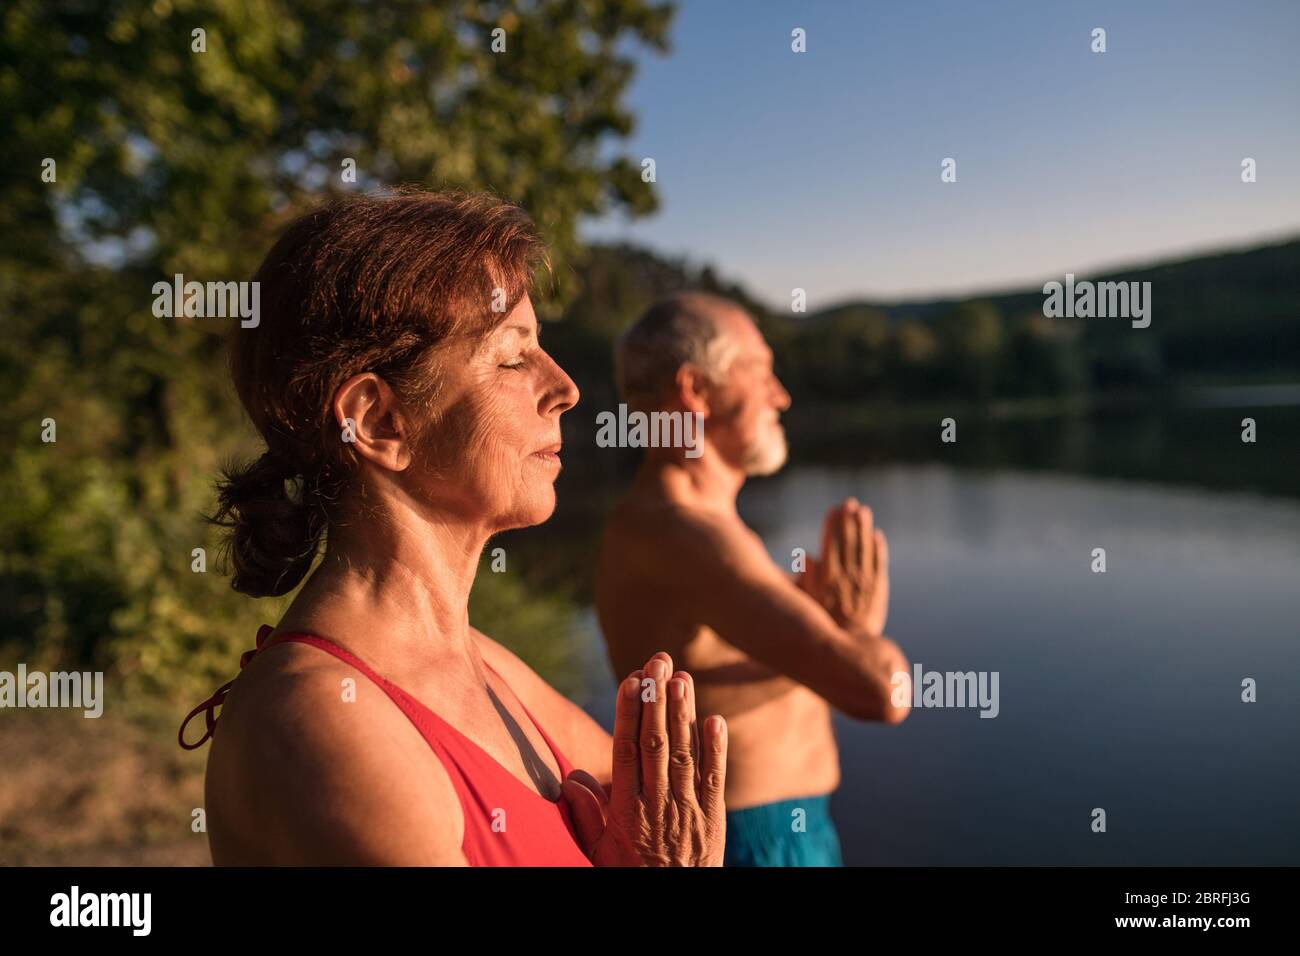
x=506, y=822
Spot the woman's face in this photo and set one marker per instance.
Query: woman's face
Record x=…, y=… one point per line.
x=491, y=454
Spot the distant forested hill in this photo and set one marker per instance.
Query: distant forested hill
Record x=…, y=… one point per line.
x=1232, y=316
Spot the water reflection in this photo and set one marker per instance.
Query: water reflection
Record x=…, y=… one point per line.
x=1118, y=690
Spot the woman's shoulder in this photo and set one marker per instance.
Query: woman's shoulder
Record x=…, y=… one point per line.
x=311, y=763
x=292, y=689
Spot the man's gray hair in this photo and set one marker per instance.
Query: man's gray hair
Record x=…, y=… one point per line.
x=675, y=331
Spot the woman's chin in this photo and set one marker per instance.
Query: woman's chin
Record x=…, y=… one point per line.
x=537, y=510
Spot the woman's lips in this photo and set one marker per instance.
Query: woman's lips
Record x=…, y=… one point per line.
x=550, y=454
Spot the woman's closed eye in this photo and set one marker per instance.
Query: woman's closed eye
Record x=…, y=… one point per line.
x=518, y=360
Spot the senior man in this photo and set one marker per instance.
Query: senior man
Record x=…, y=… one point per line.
x=772, y=651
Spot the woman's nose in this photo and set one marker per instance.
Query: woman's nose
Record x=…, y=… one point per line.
x=561, y=394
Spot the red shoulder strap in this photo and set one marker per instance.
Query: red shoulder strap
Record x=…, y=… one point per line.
x=208, y=707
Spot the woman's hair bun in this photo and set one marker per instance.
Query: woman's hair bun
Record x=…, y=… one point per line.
x=274, y=534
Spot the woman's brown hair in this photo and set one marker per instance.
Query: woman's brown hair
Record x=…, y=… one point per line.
x=363, y=284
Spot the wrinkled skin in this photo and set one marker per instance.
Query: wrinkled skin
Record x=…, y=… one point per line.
x=665, y=803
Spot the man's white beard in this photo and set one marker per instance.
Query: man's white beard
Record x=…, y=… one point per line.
x=768, y=453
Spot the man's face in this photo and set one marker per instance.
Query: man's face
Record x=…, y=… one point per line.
x=745, y=406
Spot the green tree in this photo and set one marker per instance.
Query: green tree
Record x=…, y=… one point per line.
x=182, y=134
x=971, y=334
x=914, y=355
x=1043, y=357
x=843, y=353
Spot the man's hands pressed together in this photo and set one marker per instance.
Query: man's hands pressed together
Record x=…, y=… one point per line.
x=851, y=578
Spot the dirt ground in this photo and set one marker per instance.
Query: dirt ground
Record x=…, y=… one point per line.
x=97, y=792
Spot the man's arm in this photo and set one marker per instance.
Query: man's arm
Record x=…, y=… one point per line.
x=722, y=569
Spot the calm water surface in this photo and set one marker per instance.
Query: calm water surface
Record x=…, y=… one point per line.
x=1119, y=690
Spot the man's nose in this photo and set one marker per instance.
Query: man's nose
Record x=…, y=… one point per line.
x=781, y=398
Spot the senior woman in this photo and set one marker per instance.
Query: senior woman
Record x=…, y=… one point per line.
x=409, y=413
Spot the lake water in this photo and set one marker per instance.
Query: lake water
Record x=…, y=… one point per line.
x=1119, y=690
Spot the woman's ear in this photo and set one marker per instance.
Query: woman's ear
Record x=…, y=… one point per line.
x=372, y=420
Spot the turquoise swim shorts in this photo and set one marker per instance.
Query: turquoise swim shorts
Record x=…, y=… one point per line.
x=777, y=834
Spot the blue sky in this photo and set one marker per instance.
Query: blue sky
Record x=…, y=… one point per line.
x=821, y=170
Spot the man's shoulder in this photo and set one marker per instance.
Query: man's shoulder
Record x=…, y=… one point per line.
x=650, y=531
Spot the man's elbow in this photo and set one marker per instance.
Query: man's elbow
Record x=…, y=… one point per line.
x=895, y=714
x=886, y=710
x=873, y=703
x=886, y=700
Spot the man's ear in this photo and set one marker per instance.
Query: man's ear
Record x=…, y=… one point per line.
x=371, y=418
x=693, y=389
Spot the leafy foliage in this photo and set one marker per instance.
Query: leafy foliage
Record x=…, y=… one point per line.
x=170, y=160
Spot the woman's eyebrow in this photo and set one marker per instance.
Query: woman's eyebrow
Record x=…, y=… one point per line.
x=523, y=330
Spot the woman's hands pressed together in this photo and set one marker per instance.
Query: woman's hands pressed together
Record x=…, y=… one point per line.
x=665, y=804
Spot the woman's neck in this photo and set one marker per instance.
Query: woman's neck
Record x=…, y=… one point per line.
x=400, y=579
